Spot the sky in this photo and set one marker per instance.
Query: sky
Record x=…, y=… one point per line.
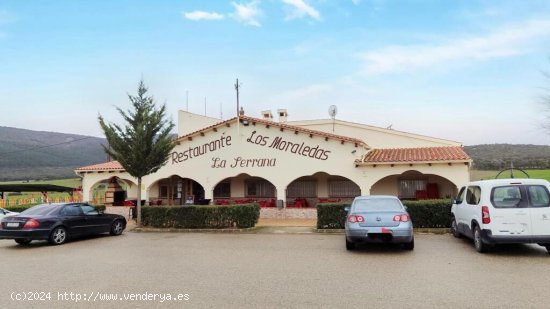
x=469, y=71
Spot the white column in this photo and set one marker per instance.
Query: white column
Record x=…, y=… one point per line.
x=209, y=194
x=281, y=194
x=365, y=190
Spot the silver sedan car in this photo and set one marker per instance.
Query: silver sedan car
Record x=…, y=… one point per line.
x=378, y=218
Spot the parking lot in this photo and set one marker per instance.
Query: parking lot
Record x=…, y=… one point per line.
x=271, y=270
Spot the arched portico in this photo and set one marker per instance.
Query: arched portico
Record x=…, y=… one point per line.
x=112, y=191
x=176, y=190
x=244, y=188
x=413, y=184
x=321, y=187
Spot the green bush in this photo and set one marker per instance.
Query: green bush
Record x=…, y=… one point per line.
x=196, y=217
x=331, y=216
x=430, y=213
x=424, y=214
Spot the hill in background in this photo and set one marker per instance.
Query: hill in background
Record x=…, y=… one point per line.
x=500, y=156
x=26, y=154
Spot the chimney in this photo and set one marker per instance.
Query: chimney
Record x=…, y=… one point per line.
x=267, y=115
x=283, y=115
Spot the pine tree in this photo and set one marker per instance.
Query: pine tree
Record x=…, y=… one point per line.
x=142, y=144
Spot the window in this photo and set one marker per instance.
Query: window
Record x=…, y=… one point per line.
x=71, y=210
x=460, y=196
x=506, y=197
x=473, y=195
x=514, y=196
x=223, y=189
x=377, y=204
x=302, y=188
x=538, y=196
x=163, y=191
x=41, y=210
x=343, y=188
x=89, y=210
x=408, y=188
x=259, y=188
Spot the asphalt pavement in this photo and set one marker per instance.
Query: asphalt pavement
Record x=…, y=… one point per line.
x=192, y=270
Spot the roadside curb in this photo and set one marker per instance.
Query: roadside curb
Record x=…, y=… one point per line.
x=174, y=230
x=272, y=230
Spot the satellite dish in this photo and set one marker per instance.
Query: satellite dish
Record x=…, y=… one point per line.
x=332, y=111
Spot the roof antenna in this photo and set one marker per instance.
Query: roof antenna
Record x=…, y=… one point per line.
x=332, y=111
x=237, y=88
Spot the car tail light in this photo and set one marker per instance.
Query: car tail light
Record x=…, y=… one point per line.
x=31, y=224
x=355, y=218
x=402, y=218
x=485, y=216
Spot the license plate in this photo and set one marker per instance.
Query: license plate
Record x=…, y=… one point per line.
x=379, y=230
x=12, y=224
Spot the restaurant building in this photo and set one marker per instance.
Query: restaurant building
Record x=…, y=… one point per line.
x=286, y=166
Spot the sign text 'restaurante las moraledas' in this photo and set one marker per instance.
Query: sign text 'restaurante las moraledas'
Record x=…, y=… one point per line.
x=278, y=143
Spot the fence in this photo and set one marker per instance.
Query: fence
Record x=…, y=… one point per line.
x=37, y=200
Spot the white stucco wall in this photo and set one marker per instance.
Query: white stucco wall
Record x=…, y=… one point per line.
x=234, y=150
x=189, y=122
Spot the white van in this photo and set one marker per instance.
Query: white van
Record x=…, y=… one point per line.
x=503, y=211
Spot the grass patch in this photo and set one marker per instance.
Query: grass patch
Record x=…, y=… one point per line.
x=537, y=174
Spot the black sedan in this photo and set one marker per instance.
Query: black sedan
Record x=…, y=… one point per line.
x=56, y=223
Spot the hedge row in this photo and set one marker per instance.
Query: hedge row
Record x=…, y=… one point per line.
x=424, y=214
x=196, y=217
x=25, y=207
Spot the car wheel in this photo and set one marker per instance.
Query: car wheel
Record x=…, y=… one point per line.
x=350, y=245
x=454, y=228
x=58, y=236
x=409, y=245
x=23, y=241
x=117, y=228
x=478, y=242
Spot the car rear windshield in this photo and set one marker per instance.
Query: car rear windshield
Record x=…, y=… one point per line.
x=515, y=196
x=40, y=210
x=377, y=204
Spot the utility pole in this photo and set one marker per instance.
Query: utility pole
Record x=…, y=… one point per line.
x=237, y=87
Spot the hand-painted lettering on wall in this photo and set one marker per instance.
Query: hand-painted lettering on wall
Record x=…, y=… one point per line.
x=193, y=152
x=281, y=144
x=242, y=162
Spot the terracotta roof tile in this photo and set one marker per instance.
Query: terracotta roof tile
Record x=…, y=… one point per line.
x=426, y=154
x=111, y=165
x=280, y=125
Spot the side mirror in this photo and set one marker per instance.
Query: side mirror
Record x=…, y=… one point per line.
x=406, y=208
x=347, y=209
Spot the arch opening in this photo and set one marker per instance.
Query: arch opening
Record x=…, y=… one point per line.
x=414, y=185
x=177, y=190
x=244, y=189
x=113, y=191
x=321, y=187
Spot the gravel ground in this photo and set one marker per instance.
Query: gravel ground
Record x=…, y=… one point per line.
x=272, y=271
